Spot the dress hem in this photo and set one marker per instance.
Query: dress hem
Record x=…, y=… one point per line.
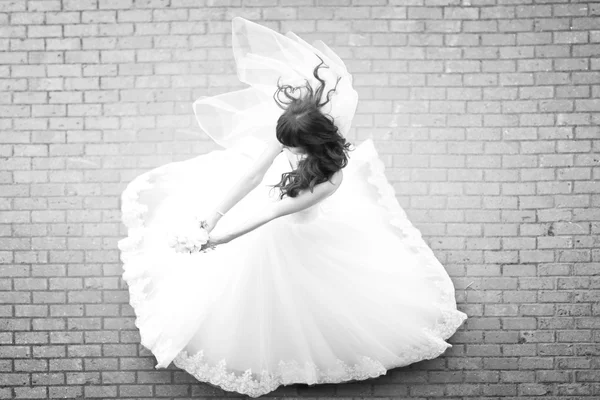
x=288, y=372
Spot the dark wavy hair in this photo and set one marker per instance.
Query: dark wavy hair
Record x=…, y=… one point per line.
x=303, y=125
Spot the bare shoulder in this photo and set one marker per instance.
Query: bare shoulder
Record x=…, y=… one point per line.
x=273, y=143
x=273, y=148
x=337, y=178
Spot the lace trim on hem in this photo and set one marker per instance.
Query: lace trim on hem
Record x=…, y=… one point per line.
x=288, y=373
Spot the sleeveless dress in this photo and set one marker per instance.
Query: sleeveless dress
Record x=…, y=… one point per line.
x=341, y=291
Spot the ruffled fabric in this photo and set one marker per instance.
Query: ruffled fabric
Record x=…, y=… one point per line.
x=161, y=341
x=154, y=272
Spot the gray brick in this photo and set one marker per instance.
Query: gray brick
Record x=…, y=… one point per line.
x=485, y=117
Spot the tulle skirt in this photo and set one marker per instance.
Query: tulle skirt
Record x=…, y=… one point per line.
x=344, y=290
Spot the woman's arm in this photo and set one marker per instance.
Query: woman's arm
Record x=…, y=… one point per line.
x=250, y=180
x=287, y=205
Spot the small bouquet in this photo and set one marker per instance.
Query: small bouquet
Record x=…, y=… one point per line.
x=191, y=238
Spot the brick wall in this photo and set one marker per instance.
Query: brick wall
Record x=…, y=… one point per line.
x=485, y=112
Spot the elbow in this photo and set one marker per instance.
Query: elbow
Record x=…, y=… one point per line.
x=254, y=181
x=258, y=176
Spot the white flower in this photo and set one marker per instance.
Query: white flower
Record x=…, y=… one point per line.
x=189, y=237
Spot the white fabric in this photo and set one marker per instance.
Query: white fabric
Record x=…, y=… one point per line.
x=344, y=290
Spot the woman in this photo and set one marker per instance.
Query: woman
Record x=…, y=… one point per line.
x=316, y=275
x=304, y=131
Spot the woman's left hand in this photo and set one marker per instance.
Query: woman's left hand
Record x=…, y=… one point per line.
x=216, y=238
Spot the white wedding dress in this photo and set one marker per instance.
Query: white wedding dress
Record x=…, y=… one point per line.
x=344, y=290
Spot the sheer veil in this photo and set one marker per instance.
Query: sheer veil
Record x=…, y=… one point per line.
x=262, y=56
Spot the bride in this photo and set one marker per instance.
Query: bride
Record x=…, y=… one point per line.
x=304, y=131
x=314, y=272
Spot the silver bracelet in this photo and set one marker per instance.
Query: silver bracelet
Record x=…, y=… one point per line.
x=219, y=212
